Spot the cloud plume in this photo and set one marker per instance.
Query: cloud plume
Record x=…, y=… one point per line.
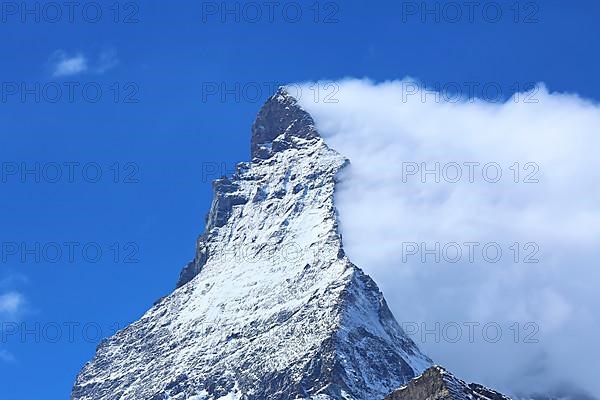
x=479, y=220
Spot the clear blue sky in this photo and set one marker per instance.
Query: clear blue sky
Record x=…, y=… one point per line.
x=165, y=128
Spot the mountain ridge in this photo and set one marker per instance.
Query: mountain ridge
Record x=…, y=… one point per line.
x=270, y=307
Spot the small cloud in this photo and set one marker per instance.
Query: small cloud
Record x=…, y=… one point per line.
x=107, y=60
x=5, y=356
x=12, y=305
x=11, y=302
x=66, y=65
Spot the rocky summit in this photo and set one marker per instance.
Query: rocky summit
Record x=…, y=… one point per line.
x=270, y=308
x=438, y=384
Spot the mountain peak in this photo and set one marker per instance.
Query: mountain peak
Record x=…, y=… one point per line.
x=270, y=308
x=281, y=124
x=438, y=383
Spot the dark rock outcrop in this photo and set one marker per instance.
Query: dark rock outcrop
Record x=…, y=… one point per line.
x=438, y=384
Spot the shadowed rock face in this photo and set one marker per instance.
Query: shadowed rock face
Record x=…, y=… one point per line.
x=270, y=308
x=278, y=126
x=278, y=122
x=438, y=384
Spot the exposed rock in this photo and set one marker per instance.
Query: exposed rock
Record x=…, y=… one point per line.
x=438, y=384
x=270, y=308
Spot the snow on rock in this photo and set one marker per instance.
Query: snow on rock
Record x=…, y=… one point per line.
x=437, y=383
x=270, y=308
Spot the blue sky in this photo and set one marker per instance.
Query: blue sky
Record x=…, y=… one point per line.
x=156, y=136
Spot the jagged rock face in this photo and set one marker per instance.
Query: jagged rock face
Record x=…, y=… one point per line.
x=278, y=125
x=438, y=384
x=270, y=308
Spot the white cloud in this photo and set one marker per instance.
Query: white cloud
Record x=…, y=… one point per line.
x=63, y=64
x=382, y=129
x=106, y=61
x=12, y=307
x=66, y=65
x=11, y=302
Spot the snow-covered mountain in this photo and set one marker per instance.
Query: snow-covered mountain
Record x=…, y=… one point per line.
x=270, y=308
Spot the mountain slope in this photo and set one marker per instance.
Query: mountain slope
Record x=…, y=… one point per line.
x=270, y=308
x=438, y=384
